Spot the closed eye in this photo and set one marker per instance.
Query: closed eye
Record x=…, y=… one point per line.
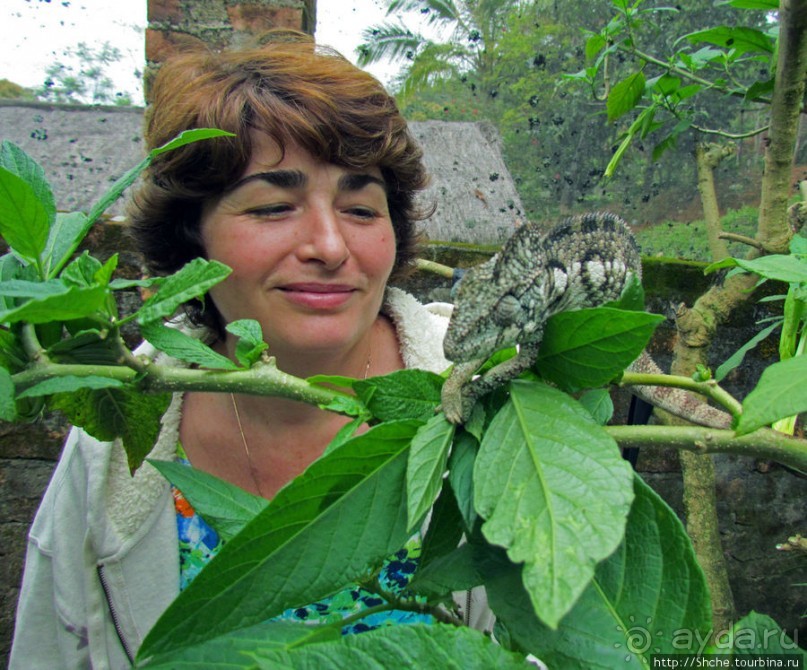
x=270, y=211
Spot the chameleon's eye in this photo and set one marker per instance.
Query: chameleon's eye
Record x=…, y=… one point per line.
x=507, y=309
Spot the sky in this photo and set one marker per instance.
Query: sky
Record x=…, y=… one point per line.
x=35, y=33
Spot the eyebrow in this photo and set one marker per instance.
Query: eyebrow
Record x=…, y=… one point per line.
x=348, y=182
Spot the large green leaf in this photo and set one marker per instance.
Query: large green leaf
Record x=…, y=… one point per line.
x=24, y=219
x=427, y=465
x=111, y=413
x=649, y=597
x=555, y=492
x=588, y=348
x=738, y=38
x=226, y=507
x=74, y=303
x=781, y=392
x=16, y=161
x=236, y=650
x=27, y=235
x=344, y=514
x=192, y=281
x=405, y=394
x=436, y=647
x=786, y=268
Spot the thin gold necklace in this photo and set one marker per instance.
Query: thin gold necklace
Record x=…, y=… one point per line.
x=253, y=471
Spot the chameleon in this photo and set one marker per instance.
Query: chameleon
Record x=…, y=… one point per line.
x=585, y=261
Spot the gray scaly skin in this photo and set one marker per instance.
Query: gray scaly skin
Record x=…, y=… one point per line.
x=583, y=262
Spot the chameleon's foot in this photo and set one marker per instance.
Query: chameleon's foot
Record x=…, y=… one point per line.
x=456, y=407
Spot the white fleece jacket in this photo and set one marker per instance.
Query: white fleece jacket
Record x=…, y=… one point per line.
x=103, y=560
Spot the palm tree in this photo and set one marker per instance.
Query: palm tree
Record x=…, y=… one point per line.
x=468, y=34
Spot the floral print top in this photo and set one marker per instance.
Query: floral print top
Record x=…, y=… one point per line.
x=199, y=543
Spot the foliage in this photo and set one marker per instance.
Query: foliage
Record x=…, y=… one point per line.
x=12, y=91
x=687, y=239
x=570, y=545
x=472, y=45
x=82, y=79
x=660, y=93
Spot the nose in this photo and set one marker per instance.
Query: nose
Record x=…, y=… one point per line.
x=324, y=241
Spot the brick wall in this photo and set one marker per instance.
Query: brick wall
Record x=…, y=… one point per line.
x=177, y=24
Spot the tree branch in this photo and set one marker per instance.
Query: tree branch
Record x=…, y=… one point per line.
x=763, y=443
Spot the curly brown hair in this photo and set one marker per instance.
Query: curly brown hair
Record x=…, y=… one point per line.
x=292, y=90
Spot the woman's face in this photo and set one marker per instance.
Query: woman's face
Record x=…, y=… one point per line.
x=311, y=246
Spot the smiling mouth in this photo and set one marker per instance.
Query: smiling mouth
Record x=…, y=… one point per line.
x=318, y=296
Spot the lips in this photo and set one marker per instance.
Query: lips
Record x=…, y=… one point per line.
x=317, y=296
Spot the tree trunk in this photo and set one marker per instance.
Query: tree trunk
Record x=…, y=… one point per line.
x=786, y=107
x=697, y=326
x=707, y=158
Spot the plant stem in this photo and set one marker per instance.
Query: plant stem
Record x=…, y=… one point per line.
x=763, y=443
x=711, y=389
x=261, y=379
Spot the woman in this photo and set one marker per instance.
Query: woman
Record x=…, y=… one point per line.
x=311, y=204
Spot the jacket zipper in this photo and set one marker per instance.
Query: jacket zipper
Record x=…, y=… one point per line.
x=114, y=615
x=468, y=607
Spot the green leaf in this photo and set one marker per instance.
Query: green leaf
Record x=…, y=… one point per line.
x=236, y=649
x=111, y=413
x=68, y=384
x=33, y=290
x=434, y=647
x=16, y=161
x=345, y=513
x=461, y=476
x=131, y=175
x=189, y=136
x=75, y=303
x=739, y=38
x=344, y=434
x=625, y=95
x=184, y=347
x=555, y=492
x=250, y=344
x=192, y=281
x=64, y=237
x=8, y=410
x=405, y=394
x=427, y=465
x=765, y=5
x=736, y=359
x=781, y=392
x=24, y=219
x=458, y=570
x=594, y=45
x=226, y=507
x=649, y=597
x=632, y=298
x=590, y=347
x=444, y=531
x=757, y=634
x=598, y=403
x=786, y=268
